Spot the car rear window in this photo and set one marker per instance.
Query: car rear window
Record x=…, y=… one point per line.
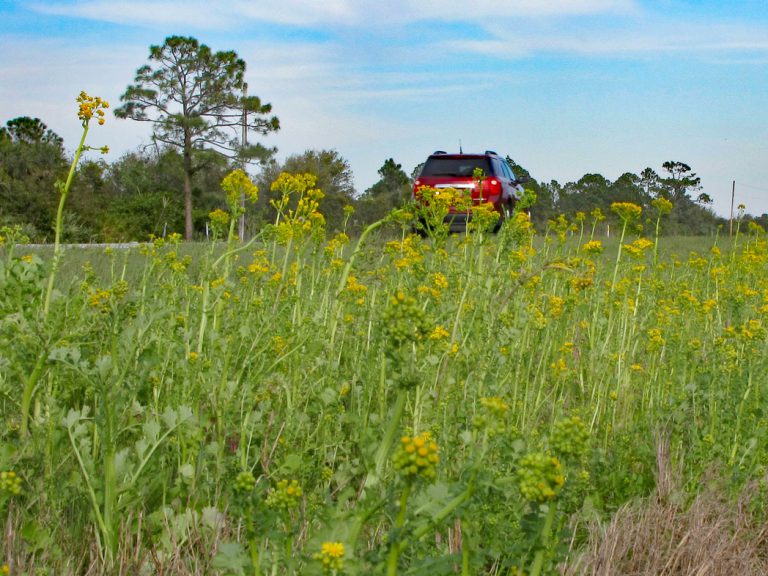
x=457, y=167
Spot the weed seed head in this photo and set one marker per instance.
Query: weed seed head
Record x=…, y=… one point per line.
x=540, y=477
x=417, y=457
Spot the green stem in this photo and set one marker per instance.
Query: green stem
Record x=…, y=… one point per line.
x=445, y=512
x=58, y=224
x=464, y=552
x=345, y=273
x=203, y=314
x=618, y=255
x=254, y=549
x=389, y=435
x=394, y=551
x=91, y=493
x=29, y=391
x=656, y=241
x=546, y=533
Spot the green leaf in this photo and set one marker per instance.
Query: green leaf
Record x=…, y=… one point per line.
x=231, y=557
x=187, y=472
x=170, y=417
x=104, y=366
x=291, y=464
x=36, y=536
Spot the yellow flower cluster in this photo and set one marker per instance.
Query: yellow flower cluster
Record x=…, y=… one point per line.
x=436, y=287
x=441, y=200
x=570, y=437
x=495, y=405
x=662, y=205
x=655, y=339
x=304, y=219
x=555, y=306
x=417, y=457
x=279, y=344
x=593, y=247
x=560, y=226
x=331, y=556
x=439, y=281
x=335, y=245
x=238, y=186
x=10, y=483
x=285, y=495
x=521, y=227
x=219, y=218
x=492, y=415
x=287, y=184
x=484, y=217
x=405, y=253
x=90, y=106
x=439, y=333
x=540, y=477
x=627, y=211
x=638, y=247
x=260, y=263
x=354, y=286
x=99, y=300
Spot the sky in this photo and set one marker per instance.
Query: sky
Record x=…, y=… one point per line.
x=564, y=87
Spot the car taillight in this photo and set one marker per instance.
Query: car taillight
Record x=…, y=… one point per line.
x=491, y=187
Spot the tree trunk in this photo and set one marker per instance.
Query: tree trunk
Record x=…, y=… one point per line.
x=188, y=229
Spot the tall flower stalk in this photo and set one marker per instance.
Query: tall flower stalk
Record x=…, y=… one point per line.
x=89, y=108
x=628, y=213
x=663, y=207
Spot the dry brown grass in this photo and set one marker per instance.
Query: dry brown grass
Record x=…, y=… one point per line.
x=189, y=555
x=663, y=536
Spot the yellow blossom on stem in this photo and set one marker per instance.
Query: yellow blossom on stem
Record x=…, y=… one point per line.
x=331, y=556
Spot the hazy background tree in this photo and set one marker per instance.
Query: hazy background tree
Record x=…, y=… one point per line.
x=391, y=191
x=689, y=215
x=334, y=178
x=680, y=182
x=193, y=98
x=32, y=158
x=137, y=194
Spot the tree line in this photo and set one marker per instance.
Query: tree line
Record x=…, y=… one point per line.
x=201, y=115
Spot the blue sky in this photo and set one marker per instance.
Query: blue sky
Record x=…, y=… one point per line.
x=565, y=87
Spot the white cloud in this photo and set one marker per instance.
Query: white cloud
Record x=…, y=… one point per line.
x=631, y=38
x=219, y=15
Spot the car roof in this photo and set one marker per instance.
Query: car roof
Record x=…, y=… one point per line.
x=441, y=154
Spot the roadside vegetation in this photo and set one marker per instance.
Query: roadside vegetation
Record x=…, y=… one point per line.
x=311, y=403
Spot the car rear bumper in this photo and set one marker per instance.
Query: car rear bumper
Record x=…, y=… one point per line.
x=457, y=222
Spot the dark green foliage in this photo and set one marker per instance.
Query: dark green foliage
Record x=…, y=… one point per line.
x=391, y=191
x=31, y=160
x=334, y=178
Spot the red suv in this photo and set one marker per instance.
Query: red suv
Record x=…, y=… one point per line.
x=498, y=184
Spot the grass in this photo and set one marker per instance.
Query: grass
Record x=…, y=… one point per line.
x=198, y=411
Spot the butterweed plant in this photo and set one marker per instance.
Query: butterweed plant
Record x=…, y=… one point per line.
x=388, y=403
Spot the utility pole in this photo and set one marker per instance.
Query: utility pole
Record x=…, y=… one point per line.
x=244, y=143
x=733, y=196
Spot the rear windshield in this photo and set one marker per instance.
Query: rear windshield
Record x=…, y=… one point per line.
x=436, y=166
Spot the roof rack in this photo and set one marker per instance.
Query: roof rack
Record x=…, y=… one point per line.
x=439, y=152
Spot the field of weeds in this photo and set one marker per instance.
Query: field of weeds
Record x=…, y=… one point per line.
x=473, y=404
